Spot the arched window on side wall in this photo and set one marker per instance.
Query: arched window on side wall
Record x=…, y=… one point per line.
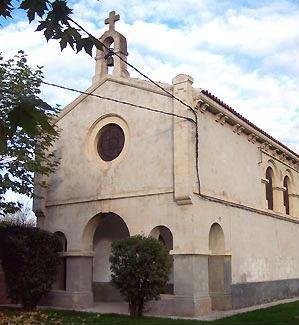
x=269, y=188
x=286, y=184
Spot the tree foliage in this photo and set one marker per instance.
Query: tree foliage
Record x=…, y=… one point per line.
x=55, y=21
x=24, y=217
x=140, y=268
x=29, y=259
x=26, y=127
x=26, y=131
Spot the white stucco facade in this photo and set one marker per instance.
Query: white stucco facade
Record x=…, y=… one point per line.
x=154, y=182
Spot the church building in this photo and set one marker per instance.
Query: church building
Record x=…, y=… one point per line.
x=174, y=162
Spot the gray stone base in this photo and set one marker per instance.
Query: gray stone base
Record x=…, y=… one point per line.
x=105, y=291
x=164, y=306
x=67, y=299
x=255, y=293
x=221, y=301
x=172, y=305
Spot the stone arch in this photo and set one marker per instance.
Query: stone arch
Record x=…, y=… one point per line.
x=290, y=193
x=108, y=57
x=288, y=173
x=219, y=269
x=60, y=281
x=120, y=47
x=216, y=239
x=94, y=223
x=63, y=240
x=276, y=173
x=269, y=187
x=98, y=235
x=164, y=234
x=286, y=202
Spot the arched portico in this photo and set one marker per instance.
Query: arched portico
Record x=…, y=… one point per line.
x=164, y=234
x=98, y=235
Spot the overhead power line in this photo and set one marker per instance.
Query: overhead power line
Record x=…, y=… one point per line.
x=134, y=68
x=164, y=90
x=120, y=101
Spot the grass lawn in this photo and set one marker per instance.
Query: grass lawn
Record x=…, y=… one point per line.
x=286, y=314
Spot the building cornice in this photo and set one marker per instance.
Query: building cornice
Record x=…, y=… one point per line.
x=268, y=213
x=240, y=125
x=131, y=82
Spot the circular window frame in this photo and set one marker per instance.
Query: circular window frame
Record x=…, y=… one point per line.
x=111, y=141
x=93, y=139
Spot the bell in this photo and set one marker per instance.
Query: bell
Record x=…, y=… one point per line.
x=110, y=61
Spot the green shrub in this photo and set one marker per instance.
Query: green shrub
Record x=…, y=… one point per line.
x=29, y=260
x=140, y=267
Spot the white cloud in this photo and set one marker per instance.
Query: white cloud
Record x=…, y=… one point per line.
x=246, y=56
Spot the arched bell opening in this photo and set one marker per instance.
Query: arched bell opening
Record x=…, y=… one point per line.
x=106, y=63
x=108, y=54
x=164, y=235
x=60, y=282
x=108, y=228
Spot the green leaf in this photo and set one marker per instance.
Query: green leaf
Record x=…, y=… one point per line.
x=48, y=33
x=88, y=45
x=67, y=38
x=42, y=104
x=98, y=44
x=27, y=116
x=4, y=131
x=34, y=7
x=60, y=11
x=42, y=25
x=5, y=8
x=20, y=116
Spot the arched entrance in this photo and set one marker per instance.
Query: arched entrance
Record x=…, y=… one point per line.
x=219, y=270
x=108, y=227
x=164, y=234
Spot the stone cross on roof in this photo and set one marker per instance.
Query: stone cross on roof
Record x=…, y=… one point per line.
x=111, y=20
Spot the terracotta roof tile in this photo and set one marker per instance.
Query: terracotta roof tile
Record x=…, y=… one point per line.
x=220, y=102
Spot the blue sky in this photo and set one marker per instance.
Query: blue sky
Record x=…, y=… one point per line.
x=245, y=52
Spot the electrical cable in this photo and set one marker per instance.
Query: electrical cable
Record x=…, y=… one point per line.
x=160, y=87
x=119, y=101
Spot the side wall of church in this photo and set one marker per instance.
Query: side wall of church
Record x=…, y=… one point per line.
x=234, y=169
x=263, y=248
x=228, y=163
x=263, y=243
